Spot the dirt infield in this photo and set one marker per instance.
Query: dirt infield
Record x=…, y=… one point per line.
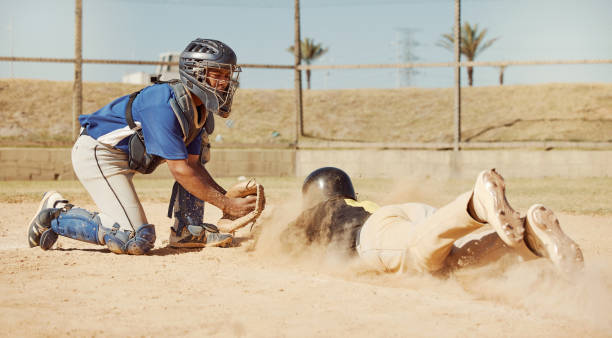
x=253, y=289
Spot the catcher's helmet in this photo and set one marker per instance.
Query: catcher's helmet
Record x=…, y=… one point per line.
x=325, y=183
x=199, y=67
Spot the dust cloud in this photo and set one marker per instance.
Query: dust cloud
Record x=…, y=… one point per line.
x=532, y=286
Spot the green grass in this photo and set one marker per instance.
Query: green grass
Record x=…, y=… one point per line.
x=588, y=196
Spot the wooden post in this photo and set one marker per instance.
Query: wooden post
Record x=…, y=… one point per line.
x=297, y=52
x=77, y=88
x=457, y=117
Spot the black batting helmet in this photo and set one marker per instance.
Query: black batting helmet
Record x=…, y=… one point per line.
x=201, y=57
x=326, y=183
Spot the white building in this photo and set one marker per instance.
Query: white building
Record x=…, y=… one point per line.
x=167, y=72
x=162, y=72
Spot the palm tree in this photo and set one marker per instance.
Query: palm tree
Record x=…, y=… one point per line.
x=310, y=51
x=472, y=44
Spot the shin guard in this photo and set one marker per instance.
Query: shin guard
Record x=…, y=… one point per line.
x=79, y=224
x=82, y=225
x=189, y=229
x=75, y=223
x=187, y=209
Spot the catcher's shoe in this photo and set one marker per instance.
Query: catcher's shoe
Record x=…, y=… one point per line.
x=490, y=205
x=545, y=238
x=202, y=236
x=38, y=223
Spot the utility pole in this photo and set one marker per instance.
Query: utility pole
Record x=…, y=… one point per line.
x=297, y=51
x=405, y=45
x=77, y=88
x=457, y=116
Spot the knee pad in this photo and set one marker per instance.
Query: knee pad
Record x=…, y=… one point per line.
x=143, y=241
x=128, y=242
x=187, y=209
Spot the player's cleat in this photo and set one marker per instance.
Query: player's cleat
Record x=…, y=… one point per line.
x=490, y=205
x=545, y=238
x=199, y=237
x=39, y=222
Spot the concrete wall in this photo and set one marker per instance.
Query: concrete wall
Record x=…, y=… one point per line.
x=463, y=164
x=55, y=164
x=35, y=164
x=245, y=162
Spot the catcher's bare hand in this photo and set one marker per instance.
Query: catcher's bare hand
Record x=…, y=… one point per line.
x=238, y=207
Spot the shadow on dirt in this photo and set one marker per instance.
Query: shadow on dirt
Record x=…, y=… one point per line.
x=162, y=251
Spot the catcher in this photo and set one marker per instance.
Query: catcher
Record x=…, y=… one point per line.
x=418, y=237
x=165, y=122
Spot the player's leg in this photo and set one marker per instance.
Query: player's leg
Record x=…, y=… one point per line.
x=403, y=236
x=82, y=225
x=384, y=239
x=543, y=238
x=415, y=236
x=482, y=247
x=104, y=173
x=189, y=229
x=487, y=203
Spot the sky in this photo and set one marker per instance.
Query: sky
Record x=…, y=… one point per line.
x=354, y=31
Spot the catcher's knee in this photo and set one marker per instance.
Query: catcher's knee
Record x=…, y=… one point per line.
x=128, y=242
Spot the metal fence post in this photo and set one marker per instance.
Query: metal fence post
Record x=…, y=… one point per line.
x=77, y=88
x=297, y=52
x=457, y=115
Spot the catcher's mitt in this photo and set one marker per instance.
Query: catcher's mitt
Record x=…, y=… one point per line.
x=230, y=224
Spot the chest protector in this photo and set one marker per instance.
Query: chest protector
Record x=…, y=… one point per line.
x=190, y=120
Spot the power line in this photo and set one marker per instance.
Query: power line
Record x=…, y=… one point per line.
x=277, y=3
x=303, y=4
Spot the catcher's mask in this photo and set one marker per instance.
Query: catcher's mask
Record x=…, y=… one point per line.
x=208, y=69
x=326, y=183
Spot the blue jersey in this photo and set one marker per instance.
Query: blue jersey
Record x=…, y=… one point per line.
x=151, y=111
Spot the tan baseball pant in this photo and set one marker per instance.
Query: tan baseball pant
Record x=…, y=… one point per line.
x=415, y=236
x=105, y=174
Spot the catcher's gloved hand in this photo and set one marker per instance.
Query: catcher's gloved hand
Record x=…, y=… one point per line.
x=230, y=224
